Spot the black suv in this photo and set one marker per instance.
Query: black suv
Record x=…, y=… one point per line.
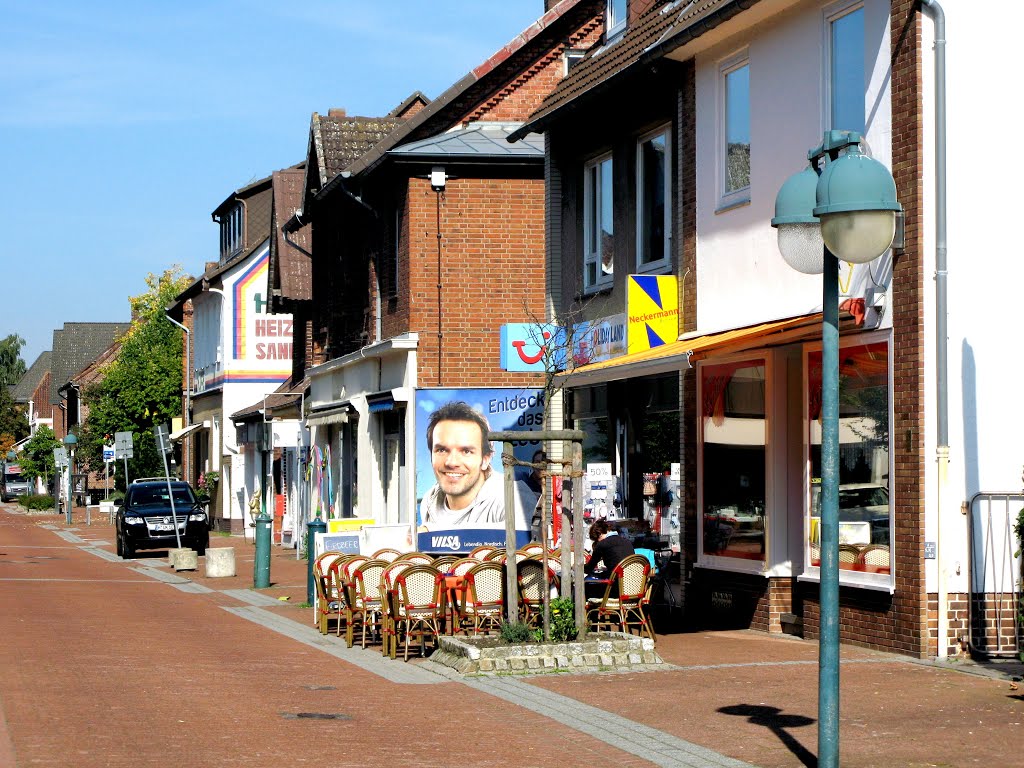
x=145, y=519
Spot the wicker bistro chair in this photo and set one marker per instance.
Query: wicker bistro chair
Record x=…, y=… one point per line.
x=388, y=554
x=481, y=552
x=497, y=554
x=532, y=585
x=389, y=598
x=849, y=553
x=445, y=562
x=482, y=599
x=419, y=558
x=418, y=606
x=329, y=591
x=622, y=604
x=533, y=548
x=366, y=604
x=875, y=558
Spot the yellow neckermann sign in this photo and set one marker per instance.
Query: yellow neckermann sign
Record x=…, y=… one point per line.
x=652, y=311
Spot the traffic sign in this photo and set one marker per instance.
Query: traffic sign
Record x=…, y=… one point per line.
x=60, y=457
x=123, y=445
x=108, y=453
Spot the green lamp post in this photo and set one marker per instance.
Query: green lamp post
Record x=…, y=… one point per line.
x=70, y=442
x=843, y=210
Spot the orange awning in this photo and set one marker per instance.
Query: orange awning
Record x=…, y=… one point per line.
x=677, y=355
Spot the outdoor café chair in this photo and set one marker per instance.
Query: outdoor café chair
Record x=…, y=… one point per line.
x=482, y=599
x=366, y=599
x=849, y=553
x=532, y=586
x=481, y=552
x=420, y=558
x=533, y=548
x=496, y=555
x=445, y=562
x=875, y=558
x=328, y=590
x=389, y=599
x=623, y=602
x=387, y=554
x=419, y=607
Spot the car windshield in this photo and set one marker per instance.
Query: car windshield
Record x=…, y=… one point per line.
x=156, y=495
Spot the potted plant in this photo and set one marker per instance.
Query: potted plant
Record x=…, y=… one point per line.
x=206, y=485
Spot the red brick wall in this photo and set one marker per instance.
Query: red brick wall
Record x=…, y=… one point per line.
x=492, y=272
x=524, y=93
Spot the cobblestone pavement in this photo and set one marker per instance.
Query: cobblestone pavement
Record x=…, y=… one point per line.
x=114, y=663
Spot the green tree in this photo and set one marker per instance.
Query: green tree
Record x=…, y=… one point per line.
x=12, y=367
x=141, y=386
x=13, y=423
x=36, y=458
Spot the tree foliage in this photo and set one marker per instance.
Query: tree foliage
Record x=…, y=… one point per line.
x=141, y=387
x=36, y=457
x=12, y=367
x=13, y=422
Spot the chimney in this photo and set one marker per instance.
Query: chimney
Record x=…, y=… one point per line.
x=549, y=4
x=336, y=112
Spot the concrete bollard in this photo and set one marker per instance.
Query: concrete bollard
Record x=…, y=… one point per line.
x=220, y=562
x=186, y=560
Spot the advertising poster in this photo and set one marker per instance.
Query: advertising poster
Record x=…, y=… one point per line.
x=479, y=513
x=652, y=304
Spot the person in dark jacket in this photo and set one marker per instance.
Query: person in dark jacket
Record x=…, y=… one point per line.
x=609, y=548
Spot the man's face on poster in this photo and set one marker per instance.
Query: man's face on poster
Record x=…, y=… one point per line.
x=459, y=460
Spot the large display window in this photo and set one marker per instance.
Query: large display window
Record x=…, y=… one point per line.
x=733, y=456
x=865, y=509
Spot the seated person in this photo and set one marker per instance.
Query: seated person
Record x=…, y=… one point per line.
x=609, y=549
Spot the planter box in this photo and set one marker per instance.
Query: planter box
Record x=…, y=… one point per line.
x=600, y=652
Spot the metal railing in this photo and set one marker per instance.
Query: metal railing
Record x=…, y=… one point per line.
x=994, y=592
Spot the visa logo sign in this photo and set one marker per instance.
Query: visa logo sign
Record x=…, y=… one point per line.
x=445, y=542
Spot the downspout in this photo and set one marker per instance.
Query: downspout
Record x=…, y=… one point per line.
x=187, y=385
x=934, y=10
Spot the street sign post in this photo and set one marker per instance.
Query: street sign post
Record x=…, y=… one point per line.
x=163, y=444
x=123, y=449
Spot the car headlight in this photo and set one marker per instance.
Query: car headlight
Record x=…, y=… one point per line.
x=198, y=517
x=134, y=520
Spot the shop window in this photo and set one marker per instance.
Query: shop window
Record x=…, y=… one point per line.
x=598, y=224
x=654, y=215
x=846, y=68
x=865, y=511
x=732, y=463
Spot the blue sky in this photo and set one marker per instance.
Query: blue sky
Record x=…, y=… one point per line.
x=123, y=125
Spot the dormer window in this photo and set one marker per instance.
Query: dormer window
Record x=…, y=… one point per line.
x=615, y=18
x=231, y=239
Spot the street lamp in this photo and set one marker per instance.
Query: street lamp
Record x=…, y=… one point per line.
x=844, y=210
x=70, y=441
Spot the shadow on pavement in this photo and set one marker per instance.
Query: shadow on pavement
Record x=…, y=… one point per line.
x=773, y=719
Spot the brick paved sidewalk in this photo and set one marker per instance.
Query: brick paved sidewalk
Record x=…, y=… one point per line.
x=743, y=694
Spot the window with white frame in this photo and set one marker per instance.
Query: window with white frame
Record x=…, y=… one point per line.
x=733, y=461
x=615, y=18
x=846, y=67
x=654, y=209
x=865, y=511
x=735, y=130
x=598, y=223
x=571, y=58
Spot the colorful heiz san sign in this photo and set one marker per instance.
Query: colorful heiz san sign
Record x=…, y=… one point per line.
x=261, y=343
x=506, y=409
x=652, y=309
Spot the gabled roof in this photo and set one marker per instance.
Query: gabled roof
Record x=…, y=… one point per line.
x=201, y=283
x=415, y=101
x=291, y=272
x=338, y=140
x=484, y=141
x=77, y=345
x=511, y=58
x=657, y=32
x=22, y=391
x=248, y=190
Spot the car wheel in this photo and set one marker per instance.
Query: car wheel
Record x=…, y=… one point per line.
x=120, y=549
x=127, y=550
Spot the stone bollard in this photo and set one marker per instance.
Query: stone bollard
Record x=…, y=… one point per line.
x=220, y=562
x=185, y=559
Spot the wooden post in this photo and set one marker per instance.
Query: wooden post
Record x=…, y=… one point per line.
x=577, y=537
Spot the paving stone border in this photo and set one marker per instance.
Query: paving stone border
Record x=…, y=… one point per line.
x=600, y=652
